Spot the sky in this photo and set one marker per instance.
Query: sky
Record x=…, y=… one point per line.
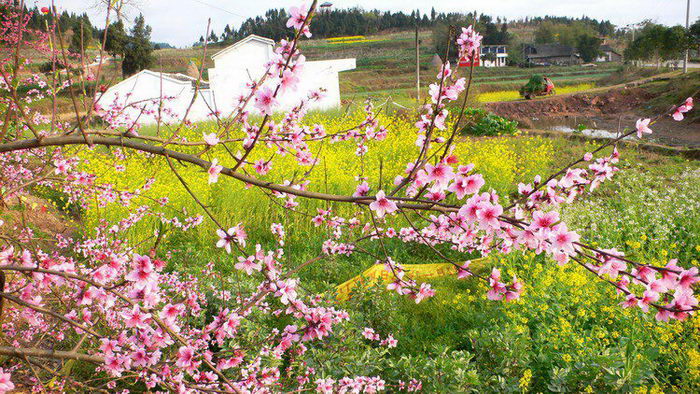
x=181, y=22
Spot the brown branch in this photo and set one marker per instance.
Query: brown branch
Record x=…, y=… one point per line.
x=51, y=354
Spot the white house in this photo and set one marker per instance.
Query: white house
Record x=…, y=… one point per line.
x=234, y=67
x=493, y=55
x=245, y=61
x=148, y=96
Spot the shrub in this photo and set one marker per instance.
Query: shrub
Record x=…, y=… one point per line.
x=482, y=123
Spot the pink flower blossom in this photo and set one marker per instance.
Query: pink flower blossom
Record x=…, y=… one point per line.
x=687, y=106
x=424, y=292
x=382, y=205
x=211, y=139
x=488, y=214
x=469, y=41
x=464, y=185
x=185, y=357
x=563, y=239
x=643, y=127
x=262, y=167
x=214, y=171
x=463, y=271
x=5, y=382
x=247, y=264
x=136, y=318
x=142, y=273
x=265, y=100
x=544, y=220
x=361, y=190
x=368, y=333
x=234, y=234
x=297, y=16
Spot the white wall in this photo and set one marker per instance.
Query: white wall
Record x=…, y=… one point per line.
x=234, y=67
x=144, y=92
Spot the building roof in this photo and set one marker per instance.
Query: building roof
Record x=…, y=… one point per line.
x=608, y=48
x=244, y=41
x=177, y=78
x=551, y=50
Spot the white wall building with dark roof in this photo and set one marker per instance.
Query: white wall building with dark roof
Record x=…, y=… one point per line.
x=148, y=96
x=493, y=55
x=234, y=67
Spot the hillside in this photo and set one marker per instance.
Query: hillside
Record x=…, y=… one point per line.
x=386, y=66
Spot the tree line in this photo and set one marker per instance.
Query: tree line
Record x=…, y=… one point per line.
x=339, y=22
x=657, y=43
x=133, y=45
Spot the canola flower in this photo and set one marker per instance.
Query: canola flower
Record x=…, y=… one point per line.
x=344, y=38
x=357, y=41
x=511, y=95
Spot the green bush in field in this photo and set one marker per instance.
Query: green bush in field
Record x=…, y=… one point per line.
x=482, y=123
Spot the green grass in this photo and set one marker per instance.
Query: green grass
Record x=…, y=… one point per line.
x=568, y=331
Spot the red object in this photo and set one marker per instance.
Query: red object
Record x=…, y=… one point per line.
x=465, y=62
x=549, y=87
x=44, y=10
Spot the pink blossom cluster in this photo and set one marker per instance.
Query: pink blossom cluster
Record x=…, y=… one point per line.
x=469, y=42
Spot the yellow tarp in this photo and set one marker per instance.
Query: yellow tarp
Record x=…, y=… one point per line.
x=378, y=273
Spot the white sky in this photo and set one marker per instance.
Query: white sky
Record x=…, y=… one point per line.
x=181, y=22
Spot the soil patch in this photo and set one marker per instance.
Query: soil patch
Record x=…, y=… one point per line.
x=609, y=102
x=612, y=110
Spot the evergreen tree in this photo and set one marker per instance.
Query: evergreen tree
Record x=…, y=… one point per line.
x=82, y=36
x=138, y=52
x=588, y=47
x=116, y=39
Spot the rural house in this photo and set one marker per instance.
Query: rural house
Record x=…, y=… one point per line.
x=608, y=54
x=148, y=96
x=245, y=61
x=493, y=55
x=551, y=54
x=142, y=94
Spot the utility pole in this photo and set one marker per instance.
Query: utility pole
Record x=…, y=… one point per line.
x=417, y=65
x=687, y=28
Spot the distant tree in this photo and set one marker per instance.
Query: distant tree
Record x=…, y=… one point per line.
x=694, y=35
x=138, y=52
x=116, y=39
x=658, y=43
x=213, y=37
x=82, y=36
x=545, y=33
x=588, y=47
x=516, y=56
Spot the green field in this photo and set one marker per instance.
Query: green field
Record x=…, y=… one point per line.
x=567, y=332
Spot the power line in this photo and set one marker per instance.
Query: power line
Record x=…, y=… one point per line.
x=220, y=9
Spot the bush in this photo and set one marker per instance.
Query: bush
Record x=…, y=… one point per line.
x=482, y=123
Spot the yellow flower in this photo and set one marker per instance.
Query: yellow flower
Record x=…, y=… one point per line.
x=525, y=380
